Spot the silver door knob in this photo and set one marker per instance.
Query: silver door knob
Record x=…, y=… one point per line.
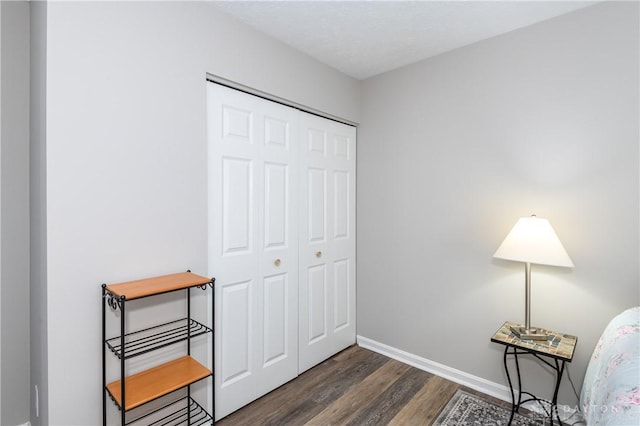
x=277, y=262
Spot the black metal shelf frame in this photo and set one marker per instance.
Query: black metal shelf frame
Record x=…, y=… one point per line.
x=185, y=411
x=150, y=339
x=156, y=337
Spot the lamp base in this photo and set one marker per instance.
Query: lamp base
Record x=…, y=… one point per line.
x=529, y=334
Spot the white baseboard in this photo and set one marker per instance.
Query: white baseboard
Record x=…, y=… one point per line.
x=474, y=382
x=469, y=380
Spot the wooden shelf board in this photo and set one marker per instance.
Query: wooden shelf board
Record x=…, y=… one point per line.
x=155, y=382
x=157, y=285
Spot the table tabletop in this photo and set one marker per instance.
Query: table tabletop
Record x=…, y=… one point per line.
x=559, y=345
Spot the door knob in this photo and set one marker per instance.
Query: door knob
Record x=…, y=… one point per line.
x=277, y=262
x=318, y=254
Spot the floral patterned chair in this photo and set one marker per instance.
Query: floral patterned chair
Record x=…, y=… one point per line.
x=611, y=388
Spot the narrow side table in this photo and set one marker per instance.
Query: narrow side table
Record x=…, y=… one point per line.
x=554, y=352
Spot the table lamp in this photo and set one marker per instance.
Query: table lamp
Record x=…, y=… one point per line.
x=532, y=240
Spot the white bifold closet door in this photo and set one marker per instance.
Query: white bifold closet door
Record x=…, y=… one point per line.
x=327, y=239
x=281, y=224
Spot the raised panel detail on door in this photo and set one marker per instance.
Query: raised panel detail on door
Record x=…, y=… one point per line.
x=276, y=183
x=317, y=303
x=237, y=209
x=342, y=300
x=276, y=133
x=237, y=125
x=317, y=202
x=236, y=331
x=275, y=319
x=316, y=142
x=341, y=146
x=341, y=206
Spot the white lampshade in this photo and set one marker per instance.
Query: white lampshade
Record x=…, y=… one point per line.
x=533, y=240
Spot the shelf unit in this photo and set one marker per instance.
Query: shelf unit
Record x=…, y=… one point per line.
x=138, y=389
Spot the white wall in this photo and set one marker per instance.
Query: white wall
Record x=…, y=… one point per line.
x=14, y=222
x=456, y=148
x=126, y=157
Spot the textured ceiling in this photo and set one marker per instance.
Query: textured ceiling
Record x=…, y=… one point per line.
x=365, y=38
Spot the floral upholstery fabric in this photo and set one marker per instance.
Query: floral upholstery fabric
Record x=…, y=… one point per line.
x=611, y=388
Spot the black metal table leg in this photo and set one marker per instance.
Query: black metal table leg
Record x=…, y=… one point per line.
x=559, y=367
x=515, y=405
x=513, y=396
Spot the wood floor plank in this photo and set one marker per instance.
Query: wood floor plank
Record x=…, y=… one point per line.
x=426, y=404
x=272, y=404
x=387, y=404
x=302, y=410
x=337, y=385
x=347, y=406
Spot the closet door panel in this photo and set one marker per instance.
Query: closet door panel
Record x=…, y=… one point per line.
x=276, y=184
x=342, y=207
x=327, y=208
x=237, y=125
x=276, y=320
x=253, y=244
x=236, y=331
x=237, y=205
x=317, y=303
x=342, y=301
x=317, y=212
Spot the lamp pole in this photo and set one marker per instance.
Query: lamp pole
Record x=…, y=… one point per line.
x=526, y=332
x=527, y=297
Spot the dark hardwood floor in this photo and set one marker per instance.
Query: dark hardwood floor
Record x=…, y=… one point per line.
x=355, y=387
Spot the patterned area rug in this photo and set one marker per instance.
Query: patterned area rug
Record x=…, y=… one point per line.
x=465, y=409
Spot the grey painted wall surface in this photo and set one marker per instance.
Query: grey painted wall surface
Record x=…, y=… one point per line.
x=126, y=158
x=14, y=223
x=38, y=214
x=453, y=150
